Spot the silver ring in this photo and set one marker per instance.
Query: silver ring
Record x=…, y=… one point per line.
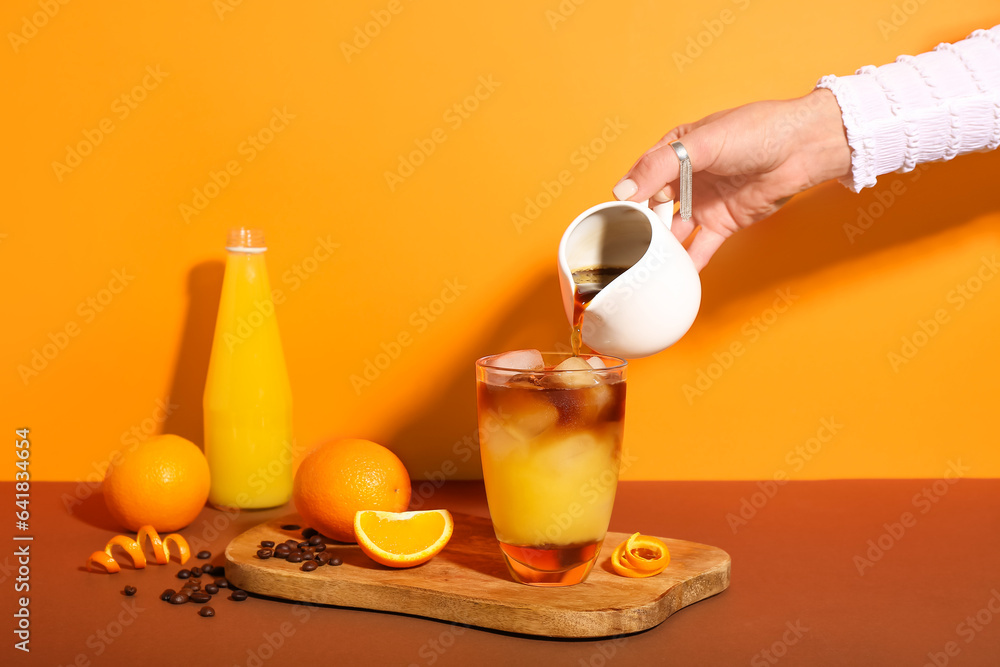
x=685, y=176
x=682, y=153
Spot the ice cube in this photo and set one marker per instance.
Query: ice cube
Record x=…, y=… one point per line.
x=519, y=360
x=596, y=363
x=525, y=413
x=598, y=401
x=578, y=374
x=579, y=451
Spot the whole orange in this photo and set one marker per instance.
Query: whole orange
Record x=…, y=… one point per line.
x=340, y=478
x=163, y=483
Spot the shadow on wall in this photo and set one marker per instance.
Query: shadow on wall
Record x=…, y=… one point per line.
x=191, y=368
x=831, y=224
x=815, y=231
x=440, y=441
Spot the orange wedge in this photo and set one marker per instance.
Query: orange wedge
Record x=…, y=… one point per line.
x=402, y=539
x=640, y=556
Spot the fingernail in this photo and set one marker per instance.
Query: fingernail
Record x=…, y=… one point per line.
x=625, y=189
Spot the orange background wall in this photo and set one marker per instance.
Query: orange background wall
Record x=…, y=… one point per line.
x=174, y=90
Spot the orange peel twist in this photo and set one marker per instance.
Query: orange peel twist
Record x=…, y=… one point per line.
x=640, y=556
x=130, y=546
x=183, y=550
x=103, y=560
x=160, y=552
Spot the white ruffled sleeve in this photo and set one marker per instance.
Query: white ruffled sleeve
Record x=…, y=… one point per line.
x=922, y=108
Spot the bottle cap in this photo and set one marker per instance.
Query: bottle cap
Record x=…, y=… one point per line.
x=243, y=239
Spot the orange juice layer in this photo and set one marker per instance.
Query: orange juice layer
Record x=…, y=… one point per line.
x=550, y=462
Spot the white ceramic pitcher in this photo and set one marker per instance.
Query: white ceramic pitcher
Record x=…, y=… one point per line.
x=650, y=306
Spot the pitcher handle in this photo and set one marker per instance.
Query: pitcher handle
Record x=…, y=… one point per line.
x=664, y=211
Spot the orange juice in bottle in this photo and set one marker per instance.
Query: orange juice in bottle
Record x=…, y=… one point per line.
x=248, y=398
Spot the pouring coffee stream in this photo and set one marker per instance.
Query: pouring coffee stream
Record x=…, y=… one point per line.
x=586, y=285
x=628, y=285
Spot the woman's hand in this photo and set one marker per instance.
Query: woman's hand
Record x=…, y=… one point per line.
x=747, y=163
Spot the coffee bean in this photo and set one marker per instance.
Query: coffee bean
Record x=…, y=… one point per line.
x=184, y=574
x=319, y=547
x=309, y=532
x=315, y=540
x=211, y=589
x=267, y=544
x=129, y=590
x=308, y=555
x=204, y=555
x=301, y=545
x=200, y=597
x=179, y=598
x=222, y=582
x=167, y=594
x=207, y=612
x=292, y=543
x=238, y=596
x=309, y=566
x=323, y=558
x=290, y=526
x=294, y=558
x=208, y=568
x=336, y=561
x=264, y=554
x=195, y=571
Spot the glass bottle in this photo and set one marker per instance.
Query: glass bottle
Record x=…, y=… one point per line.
x=248, y=398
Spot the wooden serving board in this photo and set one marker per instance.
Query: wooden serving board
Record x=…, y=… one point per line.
x=468, y=583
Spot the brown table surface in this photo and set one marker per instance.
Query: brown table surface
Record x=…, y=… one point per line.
x=796, y=597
